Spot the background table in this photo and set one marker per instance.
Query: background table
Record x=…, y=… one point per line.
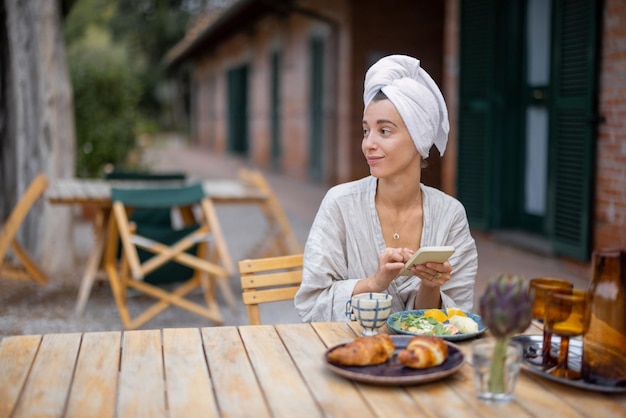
x=221, y=191
x=258, y=371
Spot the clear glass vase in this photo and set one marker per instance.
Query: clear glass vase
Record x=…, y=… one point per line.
x=489, y=386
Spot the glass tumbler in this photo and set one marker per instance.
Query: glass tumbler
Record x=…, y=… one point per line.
x=538, y=288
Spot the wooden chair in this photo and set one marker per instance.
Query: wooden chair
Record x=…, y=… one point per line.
x=26, y=269
x=269, y=279
x=195, y=255
x=280, y=238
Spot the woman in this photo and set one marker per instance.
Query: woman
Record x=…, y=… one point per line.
x=367, y=229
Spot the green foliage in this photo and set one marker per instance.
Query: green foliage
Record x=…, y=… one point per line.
x=85, y=14
x=106, y=94
x=150, y=28
x=115, y=51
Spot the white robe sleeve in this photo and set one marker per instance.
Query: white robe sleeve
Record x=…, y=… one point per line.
x=325, y=290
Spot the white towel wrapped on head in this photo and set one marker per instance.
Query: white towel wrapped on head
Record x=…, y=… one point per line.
x=416, y=97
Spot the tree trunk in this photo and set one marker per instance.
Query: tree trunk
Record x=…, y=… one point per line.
x=36, y=123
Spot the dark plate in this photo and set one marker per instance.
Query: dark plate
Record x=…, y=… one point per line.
x=394, y=373
x=458, y=337
x=531, y=361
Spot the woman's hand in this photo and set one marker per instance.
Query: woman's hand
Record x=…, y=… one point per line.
x=433, y=274
x=390, y=261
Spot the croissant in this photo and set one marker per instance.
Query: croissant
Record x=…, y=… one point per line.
x=424, y=351
x=364, y=351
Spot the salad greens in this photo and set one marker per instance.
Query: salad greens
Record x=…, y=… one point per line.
x=420, y=324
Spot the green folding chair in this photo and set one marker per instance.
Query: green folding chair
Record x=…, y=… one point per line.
x=152, y=216
x=195, y=256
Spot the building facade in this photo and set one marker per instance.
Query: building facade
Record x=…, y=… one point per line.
x=536, y=91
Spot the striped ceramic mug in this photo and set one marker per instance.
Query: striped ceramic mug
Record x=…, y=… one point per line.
x=371, y=310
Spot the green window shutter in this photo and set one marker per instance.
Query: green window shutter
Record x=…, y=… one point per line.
x=237, y=106
x=477, y=46
x=573, y=128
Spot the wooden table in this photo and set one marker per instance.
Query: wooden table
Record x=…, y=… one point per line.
x=221, y=191
x=258, y=371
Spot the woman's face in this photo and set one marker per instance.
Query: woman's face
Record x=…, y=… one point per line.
x=387, y=145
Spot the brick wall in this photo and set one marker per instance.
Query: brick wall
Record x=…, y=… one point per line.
x=365, y=34
x=610, y=192
x=290, y=35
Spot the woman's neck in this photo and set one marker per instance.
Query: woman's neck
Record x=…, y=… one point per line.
x=400, y=213
x=398, y=195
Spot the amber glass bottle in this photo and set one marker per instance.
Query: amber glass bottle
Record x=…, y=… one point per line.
x=604, y=344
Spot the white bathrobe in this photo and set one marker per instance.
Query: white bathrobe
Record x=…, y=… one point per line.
x=346, y=240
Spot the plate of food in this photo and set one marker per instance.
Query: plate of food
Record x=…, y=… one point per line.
x=451, y=324
x=532, y=362
x=395, y=359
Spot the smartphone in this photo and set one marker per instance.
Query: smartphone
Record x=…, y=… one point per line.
x=424, y=255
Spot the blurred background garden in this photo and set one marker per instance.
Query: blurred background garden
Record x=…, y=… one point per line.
x=122, y=93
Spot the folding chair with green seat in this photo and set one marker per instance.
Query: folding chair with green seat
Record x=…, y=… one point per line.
x=152, y=254
x=155, y=216
x=152, y=216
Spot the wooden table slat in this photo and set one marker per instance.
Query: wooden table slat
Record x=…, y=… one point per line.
x=335, y=395
x=619, y=399
x=21, y=352
x=437, y=399
x=237, y=390
x=540, y=402
x=141, y=381
x=47, y=388
x=584, y=401
x=334, y=333
x=189, y=388
x=273, y=367
x=95, y=381
x=463, y=384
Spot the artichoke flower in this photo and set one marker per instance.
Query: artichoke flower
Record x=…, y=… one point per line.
x=506, y=308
